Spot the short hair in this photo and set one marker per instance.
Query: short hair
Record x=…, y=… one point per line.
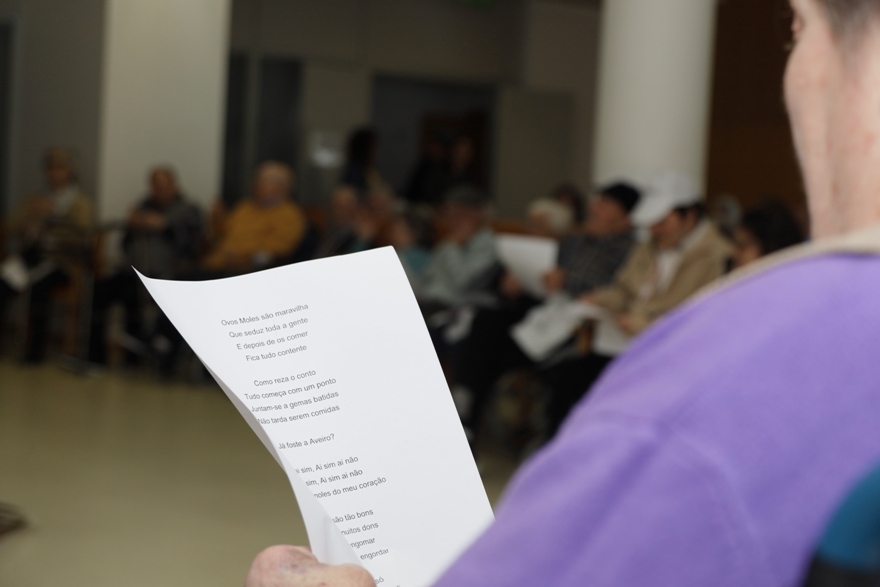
x=773, y=226
x=849, y=18
x=279, y=170
x=164, y=169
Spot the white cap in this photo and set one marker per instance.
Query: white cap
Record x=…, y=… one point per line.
x=663, y=194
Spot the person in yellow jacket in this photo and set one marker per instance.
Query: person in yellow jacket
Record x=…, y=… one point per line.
x=262, y=230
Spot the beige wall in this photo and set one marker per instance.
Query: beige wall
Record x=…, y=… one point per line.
x=534, y=146
x=427, y=38
x=516, y=45
x=561, y=55
x=163, y=97
x=543, y=45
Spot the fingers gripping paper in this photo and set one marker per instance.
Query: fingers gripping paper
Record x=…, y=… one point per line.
x=330, y=363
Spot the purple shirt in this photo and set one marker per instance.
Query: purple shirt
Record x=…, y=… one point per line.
x=713, y=452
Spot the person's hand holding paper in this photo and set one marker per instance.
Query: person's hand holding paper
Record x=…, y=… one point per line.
x=331, y=364
x=295, y=566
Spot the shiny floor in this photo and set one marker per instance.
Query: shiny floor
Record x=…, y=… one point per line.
x=126, y=481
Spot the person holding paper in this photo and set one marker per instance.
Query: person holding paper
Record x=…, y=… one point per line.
x=716, y=449
x=585, y=261
x=685, y=253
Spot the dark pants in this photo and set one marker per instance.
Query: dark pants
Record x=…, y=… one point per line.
x=121, y=288
x=165, y=330
x=39, y=307
x=488, y=353
x=570, y=381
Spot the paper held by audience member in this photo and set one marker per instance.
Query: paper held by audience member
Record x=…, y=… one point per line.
x=529, y=259
x=548, y=326
x=331, y=364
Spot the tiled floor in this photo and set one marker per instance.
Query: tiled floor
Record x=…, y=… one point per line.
x=127, y=482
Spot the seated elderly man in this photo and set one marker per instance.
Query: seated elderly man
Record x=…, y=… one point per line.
x=586, y=260
x=51, y=240
x=685, y=253
x=163, y=236
x=262, y=230
x=718, y=447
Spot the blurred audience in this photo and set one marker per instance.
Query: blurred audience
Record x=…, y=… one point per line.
x=586, y=261
x=51, y=243
x=344, y=233
x=460, y=270
x=262, y=230
x=685, y=253
x=163, y=238
x=570, y=196
x=763, y=231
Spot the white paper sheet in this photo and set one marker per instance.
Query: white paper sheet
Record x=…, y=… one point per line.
x=529, y=258
x=331, y=364
x=549, y=325
x=608, y=338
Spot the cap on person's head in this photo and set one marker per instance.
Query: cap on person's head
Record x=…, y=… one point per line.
x=663, y=194
x=626, y=195
x=466, y=195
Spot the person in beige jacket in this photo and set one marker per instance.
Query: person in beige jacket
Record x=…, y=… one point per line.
x=685, y=253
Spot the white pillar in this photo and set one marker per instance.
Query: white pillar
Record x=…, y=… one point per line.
x=163, y=97
x=654, y=87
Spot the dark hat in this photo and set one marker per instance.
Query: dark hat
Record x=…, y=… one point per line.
x=466, y=195
x=625, y=194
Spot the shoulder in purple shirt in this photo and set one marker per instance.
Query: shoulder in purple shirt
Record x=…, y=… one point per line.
x=713, y=452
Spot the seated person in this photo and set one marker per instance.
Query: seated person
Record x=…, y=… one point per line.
x=764, y=230
x=355, y=224
x=462, y=265
x=586, y=260
x=262, y=230
x=51, y=240
x=163, y=236
x=685, y=253
x=342, y=235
